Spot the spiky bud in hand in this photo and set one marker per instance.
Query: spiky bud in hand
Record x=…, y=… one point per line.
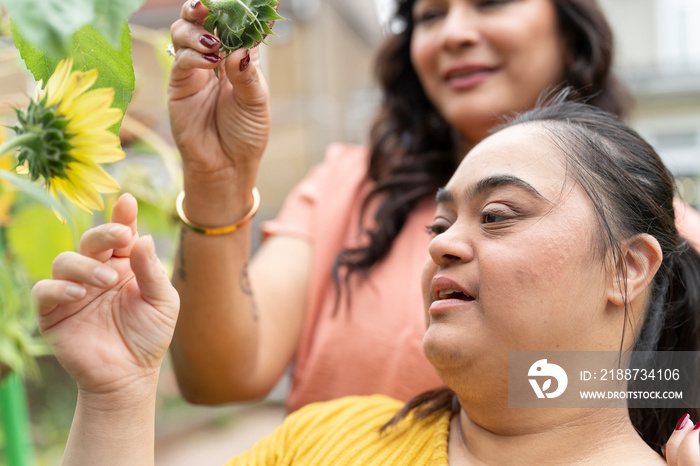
x=240, y=23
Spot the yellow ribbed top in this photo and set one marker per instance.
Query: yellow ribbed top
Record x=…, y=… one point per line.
x=346, y=432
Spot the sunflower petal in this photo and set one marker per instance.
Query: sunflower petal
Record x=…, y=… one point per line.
x=79, y=82
x=86, y=104
x=98, y=154
x=55, y=86
x=23, y=169
x=54, y=194
x=95, y=175
x=80, y=193
x=91, y=139
x=102, y=119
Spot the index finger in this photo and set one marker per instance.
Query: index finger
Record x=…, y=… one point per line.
x=194, y=11
x=124, y=212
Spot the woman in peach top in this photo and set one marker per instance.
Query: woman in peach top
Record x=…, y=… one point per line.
x=332, y=289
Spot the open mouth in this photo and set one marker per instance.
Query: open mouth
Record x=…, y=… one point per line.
x=454, y=294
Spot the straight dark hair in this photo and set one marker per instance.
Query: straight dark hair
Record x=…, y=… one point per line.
x=632, y=193
x=413, y=151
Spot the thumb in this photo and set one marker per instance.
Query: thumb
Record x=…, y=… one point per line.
x=244, y=72
x=153, y=281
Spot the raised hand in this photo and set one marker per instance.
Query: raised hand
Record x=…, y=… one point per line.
x=109, y=310
x=221, y=125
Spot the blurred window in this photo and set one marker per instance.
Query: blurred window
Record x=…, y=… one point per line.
x=679, y=33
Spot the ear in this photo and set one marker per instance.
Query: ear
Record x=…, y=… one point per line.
x=641, y=259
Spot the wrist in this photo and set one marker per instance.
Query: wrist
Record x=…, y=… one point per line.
x=135, y=393
x=216, y=201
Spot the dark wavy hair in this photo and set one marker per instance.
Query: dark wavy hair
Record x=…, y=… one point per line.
x=413, y=151
x=632, y=193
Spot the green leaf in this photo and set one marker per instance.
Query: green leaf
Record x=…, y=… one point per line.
x=268, y=13
x=35, y=237
x=40, y=195
x=50, y=24
x=110, y=16
x=89, y=50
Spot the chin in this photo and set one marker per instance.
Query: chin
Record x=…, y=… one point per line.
x=447, y=348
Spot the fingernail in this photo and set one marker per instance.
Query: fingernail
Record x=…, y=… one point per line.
x=682, y=421
x=245, y=61
x=105, y=275
x=209, y=40
x=115, y=230
x=194, y=3
x=151, y=247
x=75, y=291
x=212, y=57
x=697, y=426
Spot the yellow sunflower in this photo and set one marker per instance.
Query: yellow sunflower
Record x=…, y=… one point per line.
x=63, y=135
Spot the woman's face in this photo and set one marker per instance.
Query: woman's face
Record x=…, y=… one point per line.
x=480, y=59
x=513, y=264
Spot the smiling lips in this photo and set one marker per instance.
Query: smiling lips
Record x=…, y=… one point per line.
x=467, y=76
x=446, y=292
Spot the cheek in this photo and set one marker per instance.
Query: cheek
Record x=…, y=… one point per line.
x=544, y=287
x=424, y=58
x=536, y=54
x=429, y=270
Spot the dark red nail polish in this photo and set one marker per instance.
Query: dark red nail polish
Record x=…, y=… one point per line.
x=697, y=426
x=194, y=4
x=212, y=57
x=682, y=421
x=209, y=41
x=243, y=65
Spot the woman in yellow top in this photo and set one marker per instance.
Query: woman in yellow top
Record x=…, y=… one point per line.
x=555, y=233
x=447, y=77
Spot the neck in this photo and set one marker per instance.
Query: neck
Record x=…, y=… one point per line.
x=549, y=436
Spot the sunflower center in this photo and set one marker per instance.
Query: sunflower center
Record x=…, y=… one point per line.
x=47, y=154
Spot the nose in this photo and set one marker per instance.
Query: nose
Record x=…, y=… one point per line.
x=451, y=247
x=461, y=27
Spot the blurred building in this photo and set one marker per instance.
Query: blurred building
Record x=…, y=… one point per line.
x=658, y=55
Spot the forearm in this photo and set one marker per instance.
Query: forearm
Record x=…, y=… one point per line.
x=112, y=430
x=217, y=335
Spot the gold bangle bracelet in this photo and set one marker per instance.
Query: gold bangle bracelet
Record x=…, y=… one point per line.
x=220, y=230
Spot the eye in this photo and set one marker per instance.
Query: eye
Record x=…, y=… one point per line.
x=436, y=229
x=428, y=15
x=493, y=3
x=490, y=217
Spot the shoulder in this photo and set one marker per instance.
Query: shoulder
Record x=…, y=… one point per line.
x=349, y=429
x=347, y=159
x=349, y=411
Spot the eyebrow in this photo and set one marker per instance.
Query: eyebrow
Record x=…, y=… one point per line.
x=445, y=196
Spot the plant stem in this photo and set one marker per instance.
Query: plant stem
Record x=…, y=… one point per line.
x=15, y=421
x=14, y=413
x=16, y=142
